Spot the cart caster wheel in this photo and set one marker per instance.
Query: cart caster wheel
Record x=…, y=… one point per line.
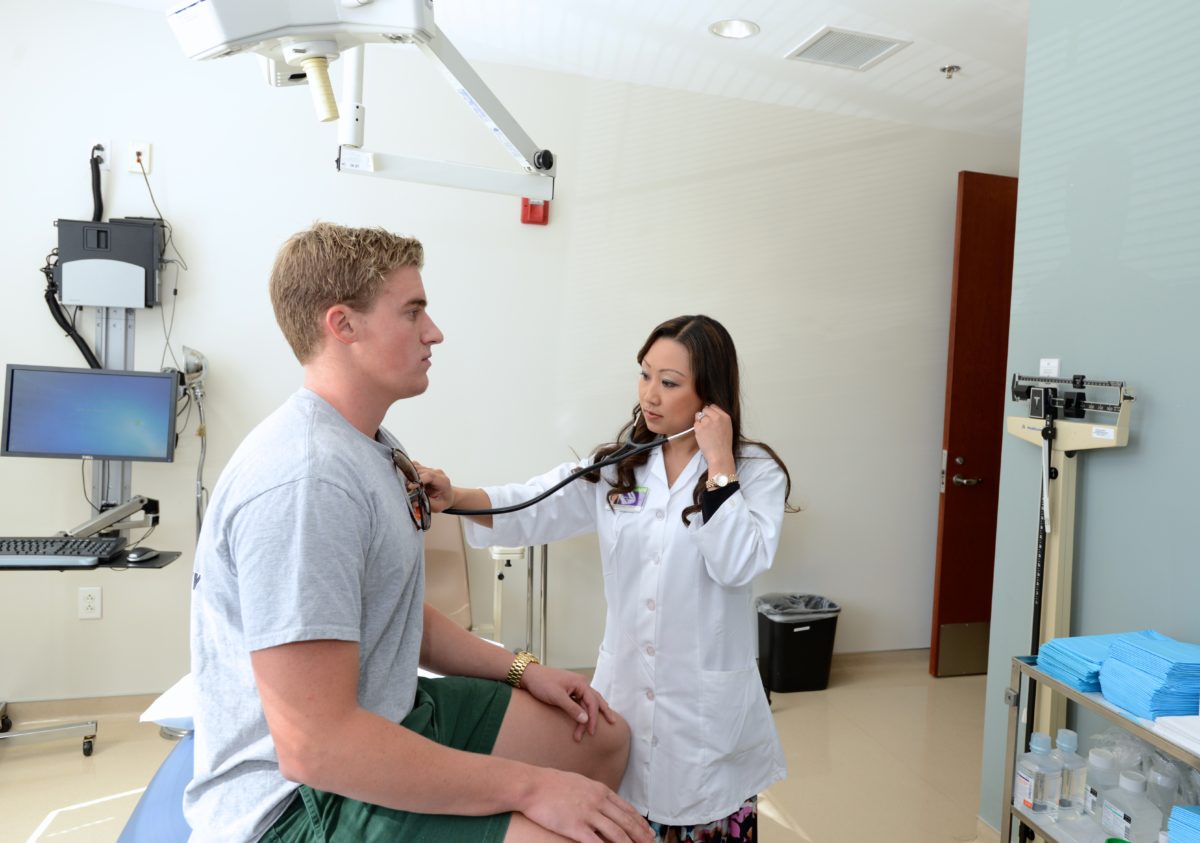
x=87, y=748
x=5, y=724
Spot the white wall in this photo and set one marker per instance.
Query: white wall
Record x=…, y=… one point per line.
x=823, y=243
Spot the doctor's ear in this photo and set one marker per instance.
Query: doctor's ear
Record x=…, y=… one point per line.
x=341, y=324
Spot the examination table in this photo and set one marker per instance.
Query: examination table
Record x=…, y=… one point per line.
x=158, y=817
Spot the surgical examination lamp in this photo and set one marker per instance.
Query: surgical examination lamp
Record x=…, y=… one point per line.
x=296, y=40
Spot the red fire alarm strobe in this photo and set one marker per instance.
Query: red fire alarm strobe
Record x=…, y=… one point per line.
x=535, y=211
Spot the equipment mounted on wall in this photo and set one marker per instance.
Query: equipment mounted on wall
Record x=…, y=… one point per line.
x=1057, y=423
x=109, y=264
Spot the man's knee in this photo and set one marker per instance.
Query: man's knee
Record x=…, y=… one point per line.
x=540, y=734
x=617, y=735
x=611, y=751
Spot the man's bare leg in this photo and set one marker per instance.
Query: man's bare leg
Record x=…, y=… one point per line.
x=521, y=829
x=540, y=734
x=543, y=735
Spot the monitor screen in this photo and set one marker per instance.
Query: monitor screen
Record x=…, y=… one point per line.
x=102, y=413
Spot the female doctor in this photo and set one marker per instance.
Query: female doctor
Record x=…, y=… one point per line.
x=683, y=531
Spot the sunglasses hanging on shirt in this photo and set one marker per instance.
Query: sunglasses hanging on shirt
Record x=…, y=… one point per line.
x=418, y=500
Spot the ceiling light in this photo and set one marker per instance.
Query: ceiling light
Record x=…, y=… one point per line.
x=734, y=28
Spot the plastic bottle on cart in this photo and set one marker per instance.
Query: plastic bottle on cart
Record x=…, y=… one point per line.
x=1102, y=775
x=1128, y=813
x=1038, y=782
x=1074, y=775
x=1162, y=787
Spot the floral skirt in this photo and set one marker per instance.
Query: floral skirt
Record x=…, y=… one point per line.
x=741, y=825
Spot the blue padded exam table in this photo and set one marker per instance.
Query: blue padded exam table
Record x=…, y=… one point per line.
x=158, y=817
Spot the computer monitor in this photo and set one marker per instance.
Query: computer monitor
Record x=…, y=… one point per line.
x=102, y=413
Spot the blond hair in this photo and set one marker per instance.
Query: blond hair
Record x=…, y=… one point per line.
x=332, y=264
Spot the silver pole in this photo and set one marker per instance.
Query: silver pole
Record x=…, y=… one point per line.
x=112, y=480
x=529, y=599
x=542, y=625
x=498, y=602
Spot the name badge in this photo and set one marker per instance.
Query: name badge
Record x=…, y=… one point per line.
x=632, y=501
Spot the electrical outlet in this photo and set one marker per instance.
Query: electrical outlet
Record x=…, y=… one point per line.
x=90, y=604
x=139, y=157
x=104, y=153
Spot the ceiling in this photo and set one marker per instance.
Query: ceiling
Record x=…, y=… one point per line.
x=666, y=43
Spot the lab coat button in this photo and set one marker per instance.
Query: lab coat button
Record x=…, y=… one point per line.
x=649, y=649
x=659, y=515
x=650, y=604
x=649, y=695
x=654, y=741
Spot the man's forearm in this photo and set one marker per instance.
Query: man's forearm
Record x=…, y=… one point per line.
x=325, y=739
x=449, y=649
x=374, y=760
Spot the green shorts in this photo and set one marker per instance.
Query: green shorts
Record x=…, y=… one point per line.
x=457, y=712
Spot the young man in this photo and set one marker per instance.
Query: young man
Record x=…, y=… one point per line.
x=308, y=620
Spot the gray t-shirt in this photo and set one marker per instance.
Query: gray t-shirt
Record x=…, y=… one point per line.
x=308, y=536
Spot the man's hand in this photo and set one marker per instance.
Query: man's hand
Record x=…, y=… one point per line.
x=570, y=692
x=584, y=810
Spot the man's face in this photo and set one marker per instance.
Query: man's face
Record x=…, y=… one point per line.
x=398, y=336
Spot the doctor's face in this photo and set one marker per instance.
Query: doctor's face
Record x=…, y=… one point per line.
x=666, y=389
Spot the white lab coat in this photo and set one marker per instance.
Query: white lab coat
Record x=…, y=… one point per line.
x=680, y=638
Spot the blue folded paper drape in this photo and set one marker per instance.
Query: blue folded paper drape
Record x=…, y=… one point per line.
x=1145, y=694
x=1144, y=672
x=1184, y=824
x=1152, y=675
x=1076, y=661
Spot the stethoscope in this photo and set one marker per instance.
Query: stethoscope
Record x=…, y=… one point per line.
x=625, y=451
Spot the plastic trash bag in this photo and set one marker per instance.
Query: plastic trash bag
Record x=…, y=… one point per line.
x=789, y=608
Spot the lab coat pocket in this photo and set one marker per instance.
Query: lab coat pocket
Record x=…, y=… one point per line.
x=734, y=722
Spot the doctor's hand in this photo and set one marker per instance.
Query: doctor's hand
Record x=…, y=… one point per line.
x=437, y=487
x=714, y=435
x=570, y=692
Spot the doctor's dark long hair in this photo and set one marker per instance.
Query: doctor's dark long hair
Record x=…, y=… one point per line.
x=715, y=372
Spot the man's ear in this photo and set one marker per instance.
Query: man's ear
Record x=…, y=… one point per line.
x=340, y=323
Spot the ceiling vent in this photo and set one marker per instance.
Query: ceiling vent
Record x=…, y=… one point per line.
x=845, y=48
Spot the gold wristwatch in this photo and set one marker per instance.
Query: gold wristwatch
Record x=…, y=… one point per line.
x=720, y=482
x=522, y=661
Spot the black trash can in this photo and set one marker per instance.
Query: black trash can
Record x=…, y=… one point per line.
x=795, y=641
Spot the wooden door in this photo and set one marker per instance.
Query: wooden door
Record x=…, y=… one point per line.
x=974, y=423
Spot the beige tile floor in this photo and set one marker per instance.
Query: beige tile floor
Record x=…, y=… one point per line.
x=886, y=753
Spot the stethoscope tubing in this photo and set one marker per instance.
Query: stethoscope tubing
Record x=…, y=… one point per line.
x=623, y=452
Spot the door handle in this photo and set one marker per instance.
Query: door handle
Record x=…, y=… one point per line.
x=959, y=480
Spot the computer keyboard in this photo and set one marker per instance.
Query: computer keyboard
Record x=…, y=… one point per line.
x=58, y=551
